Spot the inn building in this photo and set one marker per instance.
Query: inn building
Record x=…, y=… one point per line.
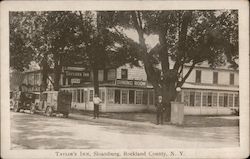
x=125, y=89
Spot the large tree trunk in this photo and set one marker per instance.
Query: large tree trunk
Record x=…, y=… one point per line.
x=57, y=73
x=169, y=91
x=45, y=71
x=57, y=77
x=163, y=86
x=96, y=82
x=169, y=95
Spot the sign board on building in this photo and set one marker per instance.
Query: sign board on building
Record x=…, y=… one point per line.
x=140, y=83
x=77, y=77
x=85, y=75
x=131, y=83
x=75, y=80
x=74, y=68
x=124, y=82
x=77, y=73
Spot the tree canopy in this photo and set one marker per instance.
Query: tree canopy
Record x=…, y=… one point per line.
x=97, y=40
x=63, y=38
x=186, y=37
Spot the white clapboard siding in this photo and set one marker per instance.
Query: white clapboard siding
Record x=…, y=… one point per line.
x=136, y=73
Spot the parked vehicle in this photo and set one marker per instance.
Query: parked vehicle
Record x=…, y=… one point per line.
x=23, y=100
x=12, y=102
x=54, y=102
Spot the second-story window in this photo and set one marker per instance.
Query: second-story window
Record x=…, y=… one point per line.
x=231, y=79
x=111, y=74
x=198, y=76
x=215, y=77
x=124, y=73
x=64, y=80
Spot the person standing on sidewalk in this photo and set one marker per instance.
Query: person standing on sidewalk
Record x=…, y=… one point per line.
x=159, y=110
x=97, y=101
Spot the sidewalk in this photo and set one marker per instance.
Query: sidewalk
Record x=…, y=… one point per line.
x=107, y=120
x=149, y=119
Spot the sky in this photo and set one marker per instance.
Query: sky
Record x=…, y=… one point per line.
x=151, y=40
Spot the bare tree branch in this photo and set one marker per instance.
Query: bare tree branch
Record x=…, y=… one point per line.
x=187, y=75
x=50, y=80
x=186, y=19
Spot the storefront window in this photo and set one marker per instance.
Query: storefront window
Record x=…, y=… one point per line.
x=131, y=97
x=186, y=98
x=145, y=97
x=204, y=99
x=82, y=95
x=225, y=100
x=117, y=96
x=74, y=95
x=102, y=95
x=151, y=97
x=124, y=97
x=197, y=98
x=236, y=100
x=191, y=98
x=221, y=100
x=91, y=94
x=139, y=95
x=214, y=99
x=111, y=96
x=209, y=99
x=78, y=95
x=230, y=100
x=86, y=96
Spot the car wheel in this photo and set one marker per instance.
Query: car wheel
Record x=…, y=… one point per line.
x=66, y=115
x=16, y=108
x=48, y=111
x=11, y=105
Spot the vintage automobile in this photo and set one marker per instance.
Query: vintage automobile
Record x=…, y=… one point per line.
x=23, y=100
x=54, y=102
x=12, y=102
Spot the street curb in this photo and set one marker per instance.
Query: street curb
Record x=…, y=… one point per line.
x=115, y=121
x=118, y=122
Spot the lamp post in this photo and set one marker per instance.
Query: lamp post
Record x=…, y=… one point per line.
x=177, y=110
x=178, y=89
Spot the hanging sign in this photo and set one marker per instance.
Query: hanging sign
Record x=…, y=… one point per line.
x=78, y=74
x=75, y=80
x=124, y=82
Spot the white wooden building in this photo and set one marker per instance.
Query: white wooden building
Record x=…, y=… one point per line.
x=211, y=91
x=125, y=89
